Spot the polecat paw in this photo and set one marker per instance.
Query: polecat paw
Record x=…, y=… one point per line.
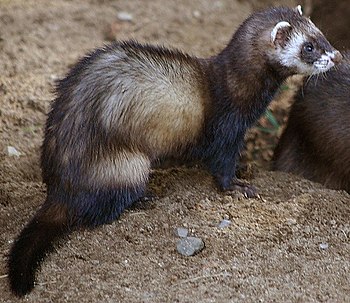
x=249, y=191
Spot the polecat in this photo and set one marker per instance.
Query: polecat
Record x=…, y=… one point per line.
x=316, y=141
x=126, y=105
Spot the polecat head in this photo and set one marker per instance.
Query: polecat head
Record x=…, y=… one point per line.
x=296, y=43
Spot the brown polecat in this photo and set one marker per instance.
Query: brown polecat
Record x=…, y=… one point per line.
x=316, y=141
x=124, y=106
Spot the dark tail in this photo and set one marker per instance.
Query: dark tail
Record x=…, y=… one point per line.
x=33, y=243
x=56, y=220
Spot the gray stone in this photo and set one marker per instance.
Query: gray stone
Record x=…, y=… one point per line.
x=181, y=232
x=323, y=245
x=13, y=152
x=189, y=246
x=224, y=223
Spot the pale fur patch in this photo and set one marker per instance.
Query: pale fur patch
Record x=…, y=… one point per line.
x=300, y=11
x=277, y=27
x=290, y=55
x=125, y=169
x=153, y=105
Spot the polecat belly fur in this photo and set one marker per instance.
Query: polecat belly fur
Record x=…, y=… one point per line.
x=316, y=141
x=126, y=105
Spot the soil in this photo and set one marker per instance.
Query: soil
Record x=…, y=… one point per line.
x=290, y=245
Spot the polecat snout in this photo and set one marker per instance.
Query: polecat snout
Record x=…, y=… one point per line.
x=124, y=106
x=316, y=141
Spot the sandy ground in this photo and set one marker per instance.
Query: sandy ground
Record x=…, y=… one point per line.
x=292, y=245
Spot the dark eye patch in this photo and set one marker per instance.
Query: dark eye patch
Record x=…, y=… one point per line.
x=309, y=53
x=308, y=47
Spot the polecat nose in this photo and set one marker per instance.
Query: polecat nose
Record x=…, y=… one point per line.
x=337, y=57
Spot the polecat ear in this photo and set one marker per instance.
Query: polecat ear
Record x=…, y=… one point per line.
x=280, y=32
x=299, y=10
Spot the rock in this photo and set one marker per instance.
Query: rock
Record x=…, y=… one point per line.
x=196, y=14
x=181, y=232
x=323, y=246
x=224, y=223
x=291, y=221
x=189, y=246
x=12, y=152
x=124, y=16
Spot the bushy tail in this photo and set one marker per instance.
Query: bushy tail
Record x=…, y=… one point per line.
x=34, y=242
x=55, y=220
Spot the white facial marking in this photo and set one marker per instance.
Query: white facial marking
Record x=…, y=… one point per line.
x=324, y=63
x=290, y=55
x=278, y=26
x=331, y=54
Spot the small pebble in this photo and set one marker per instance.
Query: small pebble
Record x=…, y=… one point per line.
x=189, y=246
x=196, y=14
x=12, y=152
x=291, y=221
x=54, y=77
x=224, y=223
x=181, y=232
x=228, y=199
x=323, y=245
x=124, y=16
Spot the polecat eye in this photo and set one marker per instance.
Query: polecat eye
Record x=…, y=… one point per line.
x=308, y=47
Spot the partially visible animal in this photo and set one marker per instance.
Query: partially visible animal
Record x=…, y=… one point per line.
x=316, y=141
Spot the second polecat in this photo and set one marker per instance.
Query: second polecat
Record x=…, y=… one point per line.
x=124, y=106
x=316, y=141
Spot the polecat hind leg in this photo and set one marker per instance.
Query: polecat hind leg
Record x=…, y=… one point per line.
x=62, y=213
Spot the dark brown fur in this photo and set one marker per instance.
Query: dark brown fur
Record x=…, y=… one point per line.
x=125, y=106
x=316, y=141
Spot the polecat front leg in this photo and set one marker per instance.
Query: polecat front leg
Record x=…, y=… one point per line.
x=227, y=181
x=223, y=167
